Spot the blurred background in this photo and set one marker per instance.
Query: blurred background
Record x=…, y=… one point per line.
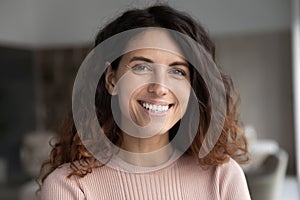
x=42, y=44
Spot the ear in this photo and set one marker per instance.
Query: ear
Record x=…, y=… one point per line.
x=110, y=80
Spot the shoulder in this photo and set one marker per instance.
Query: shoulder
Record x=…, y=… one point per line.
x=230, y=171
x=60, y=174
x=231, y=167
x=58, y=185
x=222, y=172
x=225, y=181
x=232, y=181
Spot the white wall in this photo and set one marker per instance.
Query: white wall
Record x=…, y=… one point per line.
x=18, y=22
x=296, y=77
x=38, y=23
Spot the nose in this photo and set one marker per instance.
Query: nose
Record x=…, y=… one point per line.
x=159, y=78
x=158, y=89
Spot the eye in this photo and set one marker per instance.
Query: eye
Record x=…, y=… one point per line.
x=178, y=72
x=141, y=68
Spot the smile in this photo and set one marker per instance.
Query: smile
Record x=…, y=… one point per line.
x=155, y=108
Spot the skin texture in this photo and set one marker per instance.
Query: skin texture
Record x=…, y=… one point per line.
x=152, y=76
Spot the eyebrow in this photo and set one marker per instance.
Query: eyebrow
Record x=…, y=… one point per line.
x=176, y=63
x=141, y=58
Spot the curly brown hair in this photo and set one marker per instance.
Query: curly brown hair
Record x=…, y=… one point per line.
x=231, y=143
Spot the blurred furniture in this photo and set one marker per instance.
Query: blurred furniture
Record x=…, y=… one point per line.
x=34, y=150
x=265, y=180
x=259, y=150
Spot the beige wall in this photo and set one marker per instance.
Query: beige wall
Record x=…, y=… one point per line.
x=260, y=65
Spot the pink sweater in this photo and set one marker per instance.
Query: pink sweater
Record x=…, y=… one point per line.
x=183, y=179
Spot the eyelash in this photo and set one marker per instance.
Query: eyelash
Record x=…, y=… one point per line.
x=177, y=71
x=145, y=67
x=139, y=66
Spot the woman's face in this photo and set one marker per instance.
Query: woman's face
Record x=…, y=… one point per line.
x=153, y=89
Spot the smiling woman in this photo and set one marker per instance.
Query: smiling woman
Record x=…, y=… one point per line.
x=153, y=89
x=155, y=78
x=162, y=132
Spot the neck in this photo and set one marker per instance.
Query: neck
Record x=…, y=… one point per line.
x=146, y=152
x=144, y=145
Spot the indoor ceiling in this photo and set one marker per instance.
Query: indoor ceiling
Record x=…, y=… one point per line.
x=39, y=23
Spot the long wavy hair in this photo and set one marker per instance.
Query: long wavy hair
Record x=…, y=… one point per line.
x=231, y=143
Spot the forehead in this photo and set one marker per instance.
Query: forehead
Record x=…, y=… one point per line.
x=153, y=55
x=153, y=38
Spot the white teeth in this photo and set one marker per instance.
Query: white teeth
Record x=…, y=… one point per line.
x=155, y=108
x=159, y=108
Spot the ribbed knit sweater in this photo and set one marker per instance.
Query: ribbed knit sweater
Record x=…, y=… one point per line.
x=184, y=179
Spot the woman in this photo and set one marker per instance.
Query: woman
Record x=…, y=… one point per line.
x=169, y=120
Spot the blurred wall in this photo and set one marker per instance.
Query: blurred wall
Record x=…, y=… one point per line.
x=17, y=104
x=260, y=65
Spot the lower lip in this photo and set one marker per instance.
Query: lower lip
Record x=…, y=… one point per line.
x=156, y=114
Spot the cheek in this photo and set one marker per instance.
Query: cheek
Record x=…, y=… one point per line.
x=182, y=94
x=126, y=87
x=124, y=94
